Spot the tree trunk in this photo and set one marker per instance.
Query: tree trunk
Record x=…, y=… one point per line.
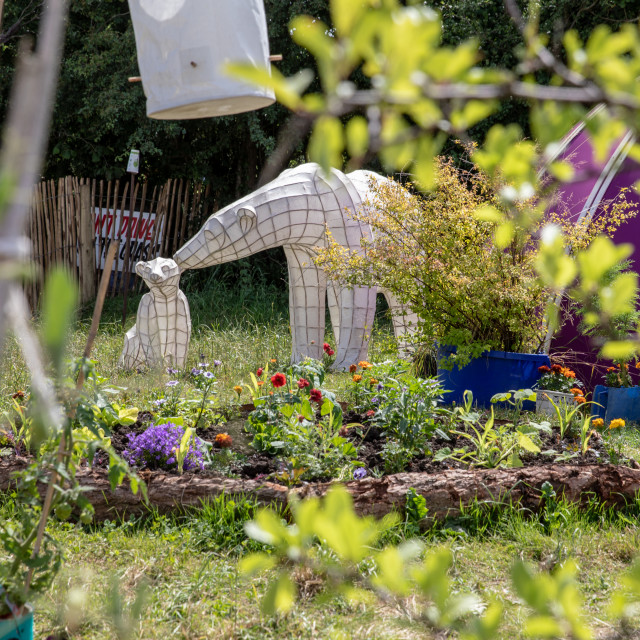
x=444, y=492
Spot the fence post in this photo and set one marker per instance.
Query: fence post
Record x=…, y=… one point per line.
x=87, y=244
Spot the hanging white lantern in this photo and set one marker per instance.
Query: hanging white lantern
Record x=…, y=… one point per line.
x=183, y=47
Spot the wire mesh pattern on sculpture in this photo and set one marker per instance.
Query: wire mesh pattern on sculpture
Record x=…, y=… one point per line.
x=163, y=323
x=294, y=211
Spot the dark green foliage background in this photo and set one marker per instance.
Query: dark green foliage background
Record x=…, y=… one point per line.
x=99, y=116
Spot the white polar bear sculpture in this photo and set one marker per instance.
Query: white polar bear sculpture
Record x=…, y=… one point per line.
x=294, y=211
x=162, y=330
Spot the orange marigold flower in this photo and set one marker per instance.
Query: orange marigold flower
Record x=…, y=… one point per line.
x=373, y=381
x=544, y=369
x=598, y=423
x=353, y=368
x=616, y=423
x=610, y=369
x=260, y=383
x=556, y=368
x=580, y=399
x=238, y=389
x=273, y=361
x=567, y=373
x=576, y=391
x=357, y=378
x=364, y=364
x=638, y=364
x=223, y=440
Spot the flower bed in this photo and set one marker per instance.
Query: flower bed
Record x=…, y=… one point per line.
x=295, y=430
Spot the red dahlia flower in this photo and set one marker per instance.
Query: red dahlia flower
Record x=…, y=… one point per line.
x=278, y=380
x=303, y=383
x=260, y=371
x=315, y=395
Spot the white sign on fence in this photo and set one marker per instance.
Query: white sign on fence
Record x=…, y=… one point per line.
x=141, y=230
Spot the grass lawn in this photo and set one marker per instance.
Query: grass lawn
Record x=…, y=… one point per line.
x=189, y=561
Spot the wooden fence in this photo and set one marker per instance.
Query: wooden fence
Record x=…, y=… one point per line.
x=73, y=221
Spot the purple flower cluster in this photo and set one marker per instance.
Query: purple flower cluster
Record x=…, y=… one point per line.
x=156, y=448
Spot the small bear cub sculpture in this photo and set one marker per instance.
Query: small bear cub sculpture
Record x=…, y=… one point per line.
x=162, y=330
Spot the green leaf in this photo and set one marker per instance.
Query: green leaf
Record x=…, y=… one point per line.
x=620, y=297
x=58, y=311
x=618, y=349
x=327, y=143
x=280, y=596
x=256, y=563
x=357, y=135
x=345, y=14
x=542, y=627
x=504, y=234
x=472, y=112
x=488, y=213
x=287, y=90
x=128, y=417
x=527, y=444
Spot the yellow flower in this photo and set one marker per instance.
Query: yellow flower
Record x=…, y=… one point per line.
x=598, y=423
x=238, y=389
x=615, y=424
x=357, y=378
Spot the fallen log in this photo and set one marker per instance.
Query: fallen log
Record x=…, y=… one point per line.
x=445, y=493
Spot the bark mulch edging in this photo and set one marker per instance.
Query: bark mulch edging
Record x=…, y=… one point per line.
x=444, y=492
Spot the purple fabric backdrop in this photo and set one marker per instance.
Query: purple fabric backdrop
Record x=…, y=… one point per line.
x=594, y=183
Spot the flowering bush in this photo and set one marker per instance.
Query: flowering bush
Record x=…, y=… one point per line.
x=559, y=378
x=157, y=446
x=439, y=258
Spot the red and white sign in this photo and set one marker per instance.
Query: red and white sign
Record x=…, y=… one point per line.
x=139, y=228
